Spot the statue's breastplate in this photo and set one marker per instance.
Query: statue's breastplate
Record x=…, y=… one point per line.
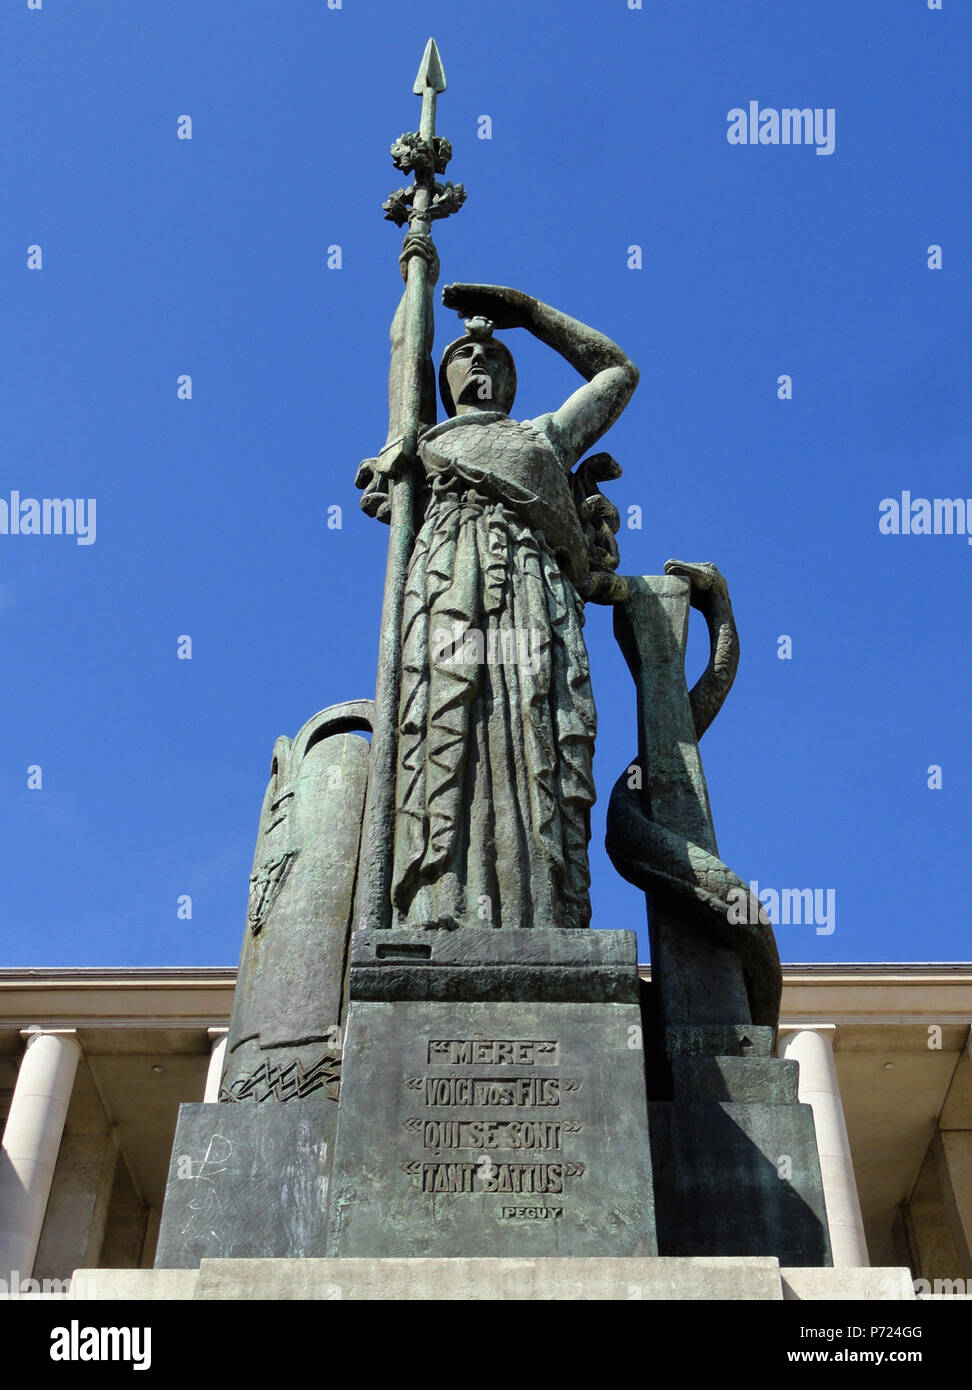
x=512, y=461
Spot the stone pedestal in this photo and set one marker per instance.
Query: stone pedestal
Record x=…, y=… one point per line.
x=735, y=1156
x=247, y=1180
x=511, y=1280
x=507, y=1072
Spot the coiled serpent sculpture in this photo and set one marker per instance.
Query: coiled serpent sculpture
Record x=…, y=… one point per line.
x=670, y=867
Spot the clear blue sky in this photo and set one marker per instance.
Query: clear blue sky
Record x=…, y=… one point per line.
x=164, y=256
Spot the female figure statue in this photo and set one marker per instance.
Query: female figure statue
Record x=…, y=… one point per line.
x=496, y=716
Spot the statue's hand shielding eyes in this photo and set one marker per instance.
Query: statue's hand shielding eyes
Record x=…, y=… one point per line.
x=506, y=308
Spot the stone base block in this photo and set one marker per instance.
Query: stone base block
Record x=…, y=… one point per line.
x=493, y=1100
x=444, y=1280
x=119, y=1285
x=847, y=1285
x=247, y=1180
x=738, y=1179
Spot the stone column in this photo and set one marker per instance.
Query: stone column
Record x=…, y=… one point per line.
x=217, y=1039
x=952, y=1150
x=31, y=1142
x=813, y=1048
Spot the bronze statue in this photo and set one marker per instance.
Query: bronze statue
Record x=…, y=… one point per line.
x=496, y=718
x=470, y=809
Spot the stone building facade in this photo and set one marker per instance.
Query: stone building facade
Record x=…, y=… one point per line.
x=94, y=1064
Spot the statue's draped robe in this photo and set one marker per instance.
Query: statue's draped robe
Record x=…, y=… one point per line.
x=496, y=720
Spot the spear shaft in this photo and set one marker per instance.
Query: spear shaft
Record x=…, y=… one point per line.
x=398, y=459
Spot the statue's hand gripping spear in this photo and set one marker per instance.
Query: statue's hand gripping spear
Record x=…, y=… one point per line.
x=424, y=154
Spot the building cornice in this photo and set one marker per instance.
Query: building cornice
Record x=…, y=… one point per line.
x=55, y=975
x=845, y=993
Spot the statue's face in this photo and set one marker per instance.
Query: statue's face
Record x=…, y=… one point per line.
x=479, y=378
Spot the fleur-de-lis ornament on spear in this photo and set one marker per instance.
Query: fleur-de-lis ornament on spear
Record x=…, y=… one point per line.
x=424, y=154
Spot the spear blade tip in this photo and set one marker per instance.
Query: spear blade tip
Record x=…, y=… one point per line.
x=431, y=73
